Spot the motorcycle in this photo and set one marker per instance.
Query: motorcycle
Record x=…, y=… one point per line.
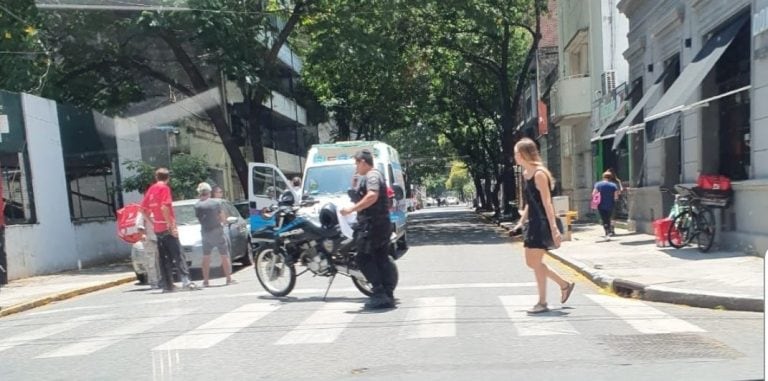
x=288, y=239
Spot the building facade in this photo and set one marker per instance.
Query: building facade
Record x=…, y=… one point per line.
x=590, y=67
x=699, y=72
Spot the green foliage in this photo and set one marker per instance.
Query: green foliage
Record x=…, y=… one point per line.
x=143, y=178
x=458, y=178
x=435, y=184
x=24, y=60
x=186, y=172
x=384, y=66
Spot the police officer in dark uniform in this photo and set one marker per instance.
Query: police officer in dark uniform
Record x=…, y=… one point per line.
x=373, y=231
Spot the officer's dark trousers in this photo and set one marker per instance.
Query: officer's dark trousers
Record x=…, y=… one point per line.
x=373, y=256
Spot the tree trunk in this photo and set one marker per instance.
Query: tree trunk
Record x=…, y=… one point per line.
x=480, y=192
x=256, y=118
x=508, y=132
x=495, y=197
x=344, y=130
x=216, y=114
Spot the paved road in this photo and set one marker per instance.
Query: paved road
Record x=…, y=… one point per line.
x=463, y=291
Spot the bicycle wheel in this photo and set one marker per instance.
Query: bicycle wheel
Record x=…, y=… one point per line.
x=705, y=227
x=681, y=230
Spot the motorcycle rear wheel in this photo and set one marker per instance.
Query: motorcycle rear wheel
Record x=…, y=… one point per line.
x=274, y=274
x=366, y=288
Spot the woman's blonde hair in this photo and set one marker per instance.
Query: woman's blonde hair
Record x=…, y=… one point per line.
x=530, y=153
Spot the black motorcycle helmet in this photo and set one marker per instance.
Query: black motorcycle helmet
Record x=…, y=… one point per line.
x=328, y=216
x=286, y=199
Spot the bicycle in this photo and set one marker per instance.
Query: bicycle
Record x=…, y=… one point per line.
x=693, y=220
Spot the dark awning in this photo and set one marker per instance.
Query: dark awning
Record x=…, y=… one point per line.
x=689, y=80
x=615, y=117
x=630, y=119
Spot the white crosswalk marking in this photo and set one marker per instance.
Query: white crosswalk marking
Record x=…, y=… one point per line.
x=107, y=338
x=216, y=330
x=643, y=317
x=48, y=330
x=431, y=317
x=324, y=326
x=534, y=325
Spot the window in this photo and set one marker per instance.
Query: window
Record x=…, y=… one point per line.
x=733, y=72
x=264, y=182
x=90, y=165
x=17, y=192
x=14, y=162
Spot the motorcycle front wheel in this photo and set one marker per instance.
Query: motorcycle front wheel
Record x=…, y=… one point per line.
x=366, y=288
x=273, y=272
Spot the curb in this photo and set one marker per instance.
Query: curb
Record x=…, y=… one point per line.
x=14, y=309
x=693, y=298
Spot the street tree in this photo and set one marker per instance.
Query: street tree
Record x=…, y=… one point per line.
x=108, y=60
x=458, y=178
x=458, y=65
x=358, y=62
x=188, y=171
x=498, y=40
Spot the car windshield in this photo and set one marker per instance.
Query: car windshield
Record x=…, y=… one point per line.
x=330, y=179
x=185, y=214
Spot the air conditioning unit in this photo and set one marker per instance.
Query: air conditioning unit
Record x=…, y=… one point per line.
x=609, y=81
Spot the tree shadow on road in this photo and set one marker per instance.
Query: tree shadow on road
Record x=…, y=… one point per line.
x=452, y=228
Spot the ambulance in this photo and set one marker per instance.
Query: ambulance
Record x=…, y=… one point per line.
x=328, y=175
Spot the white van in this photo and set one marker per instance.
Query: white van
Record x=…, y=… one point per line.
x=327, y=177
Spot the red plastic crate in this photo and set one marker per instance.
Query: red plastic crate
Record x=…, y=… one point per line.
x=661, y=231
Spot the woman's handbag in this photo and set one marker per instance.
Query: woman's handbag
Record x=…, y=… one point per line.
x=596, y=198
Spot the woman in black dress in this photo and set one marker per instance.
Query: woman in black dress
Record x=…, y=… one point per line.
x=541, y=232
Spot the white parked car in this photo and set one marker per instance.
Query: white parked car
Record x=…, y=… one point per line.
x=191, y=240
x=450, y=200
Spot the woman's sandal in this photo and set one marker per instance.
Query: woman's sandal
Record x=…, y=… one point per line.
x=538, y=308
x=567, y=292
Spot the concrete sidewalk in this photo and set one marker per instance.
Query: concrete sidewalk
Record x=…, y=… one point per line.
x=631, y=264
x=24, y=294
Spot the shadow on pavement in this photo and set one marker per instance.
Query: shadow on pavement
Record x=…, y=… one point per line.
x=318, y=298
x=639, y=243
x=693, y=253
x=461, y=227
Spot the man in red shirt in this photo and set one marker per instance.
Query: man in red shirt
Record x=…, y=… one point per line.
x=158, y=202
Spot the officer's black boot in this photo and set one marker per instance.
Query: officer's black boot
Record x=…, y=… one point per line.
x=379, y=300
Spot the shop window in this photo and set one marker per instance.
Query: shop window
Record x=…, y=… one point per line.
x=733, y=72
x=17, y=189
x=90, y=165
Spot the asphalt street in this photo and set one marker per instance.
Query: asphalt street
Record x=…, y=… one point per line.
x=460, y=316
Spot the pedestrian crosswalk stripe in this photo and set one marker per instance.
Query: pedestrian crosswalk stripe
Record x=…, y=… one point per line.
x=106, y=338
x=48, y=330
x=218, y=329
x=534, y=325
x=431, y=317
x=324, y=326
x=643, y=317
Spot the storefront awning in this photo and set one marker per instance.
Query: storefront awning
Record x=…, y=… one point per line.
x=629, y=120
x=689, y=80
x=620, y=110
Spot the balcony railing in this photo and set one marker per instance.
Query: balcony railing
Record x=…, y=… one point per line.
x=571, y=100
